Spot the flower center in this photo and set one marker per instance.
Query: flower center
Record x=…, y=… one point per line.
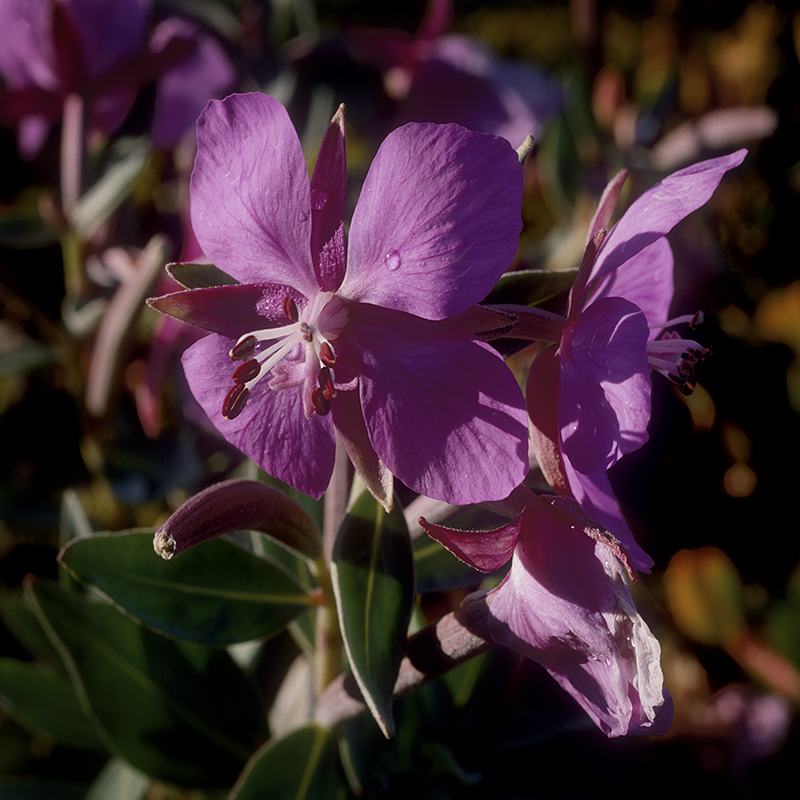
x=676, y=358
x=297, y=353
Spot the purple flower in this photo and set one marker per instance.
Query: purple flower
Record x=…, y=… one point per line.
x=565, y=603
x=97, y=49
x=322, y=335
x=600, y=372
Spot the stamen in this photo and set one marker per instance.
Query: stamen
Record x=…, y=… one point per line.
x=289, y=308
x=326, y=354
x=235, y=400
x=246, y=371
x=322, y=405
x=245, y=347
x=325, y=380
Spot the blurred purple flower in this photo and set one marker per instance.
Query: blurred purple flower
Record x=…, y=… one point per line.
x=611, y=340
x=97, y=49
x=355, y=338
x=566, y=604
x=440, y=77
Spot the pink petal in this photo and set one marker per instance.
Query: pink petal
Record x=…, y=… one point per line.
x=443, y=411
x=596, y=498
x=646, y=280
x=437, y=222
x=566, y=605
x=328, y=198
x=272, y=429
x=604, y=398
x=251, y=201
x=484, y=550
x=659, y=209
x=229, y=310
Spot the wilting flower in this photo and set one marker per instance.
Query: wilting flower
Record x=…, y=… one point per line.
x=98, y=50
x=589, y=398
x=320, y=335
x=565, y=603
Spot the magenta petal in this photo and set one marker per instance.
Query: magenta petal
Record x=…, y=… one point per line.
x=646, y=280
x=443, y=410
x=251, y=204
x=29, y=59
x=566, y=605
x=185, y=88
x=437, y=222
x=596, y=498
x=484, y=550
x=229, y=310
x=328, y=198
x=272, y=428
x=659, y=209
x=604, y=397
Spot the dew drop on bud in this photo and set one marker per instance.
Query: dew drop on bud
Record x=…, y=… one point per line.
x=392, y=261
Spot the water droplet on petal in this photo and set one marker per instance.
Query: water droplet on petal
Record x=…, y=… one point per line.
x=392, y=260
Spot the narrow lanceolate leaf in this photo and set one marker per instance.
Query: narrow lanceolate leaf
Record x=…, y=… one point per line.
x=373, y=580
x=177, y=711
x=531, y=287
x=45, y=701
x=216, y=593
x=300, y=766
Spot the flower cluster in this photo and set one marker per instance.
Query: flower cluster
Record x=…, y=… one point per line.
x=363, y=336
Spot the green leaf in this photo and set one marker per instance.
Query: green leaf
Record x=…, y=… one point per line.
x=25, y=230
x=216, y=592
x=45, y=701
x=40, y=790
x=100, y=202
x=438, y=570
x=177, y=711
x=120, y=781
x=27, y=358
x=531, y=287
x=25, y=625
x=199, y=276
x=300, y=766
x=373, y=580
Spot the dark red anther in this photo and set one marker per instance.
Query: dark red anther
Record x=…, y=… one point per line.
x=244, y=348
x=326, y=355
x=290, y=309
x=322, y=405
x=325, y=380
x=246, y=371
x=235, y=400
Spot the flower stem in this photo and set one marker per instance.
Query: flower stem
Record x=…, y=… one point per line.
x=72, y=153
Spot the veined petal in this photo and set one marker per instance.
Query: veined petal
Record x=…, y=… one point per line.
x=443, y=411
x=483, y=550
x=328, y=198
x=604, y=397
x=229, y=310
x=251, y=201
x=646, y=280
x=660, y=209
x=596, y=497
x=566, y=605
x=272, y=428
x=437, y=222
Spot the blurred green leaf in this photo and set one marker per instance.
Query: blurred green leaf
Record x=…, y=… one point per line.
x=100, y=202
x=373, y=579
x=46, y=701
x=27, y=358
x=438, y=570
x=25, y=625
x=531, y=287
x=41, y=790
x=300, y=766
x=216, y=592
x=23, y=230
x=119, y=781
x=199, y=276
x=177, y=711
